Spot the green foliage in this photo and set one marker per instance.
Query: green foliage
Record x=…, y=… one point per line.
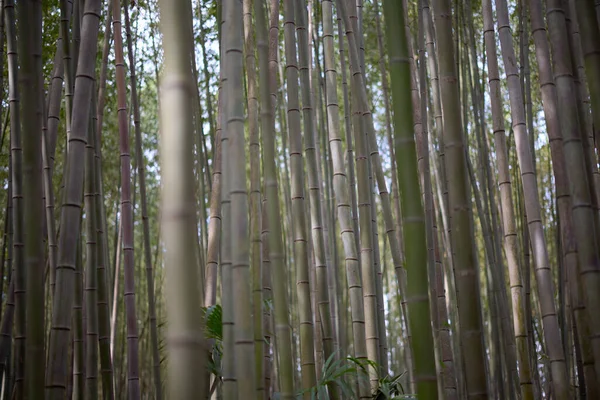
x=390, y=387
x=214, y=322
x=344, y=373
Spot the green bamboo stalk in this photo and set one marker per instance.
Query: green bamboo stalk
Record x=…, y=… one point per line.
x=240, y=246
x=364, y=195
x=267, y=76
x=228, y=362
x=255, y=199
x=342, y=192
x=408, y=183
x=388, y=121
x=348, y=131
x=267, y=318
x=314, y=185
x=214, y=224
x=298, y=205
x=186, y=346
x=361, y=102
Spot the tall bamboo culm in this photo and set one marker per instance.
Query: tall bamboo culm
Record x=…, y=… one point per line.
x=133, y=368
x=314, y=186
x=299, y=233
x=255, y=199
x=185, y=330
x=532, y=207
x=508, y=213
x=267, y=74
x=414, y=224
x=341, y=190
x=467, y=280
x=56, y=373
x=30, y=81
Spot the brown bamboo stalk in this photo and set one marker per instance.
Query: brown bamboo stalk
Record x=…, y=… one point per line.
x=133, y=372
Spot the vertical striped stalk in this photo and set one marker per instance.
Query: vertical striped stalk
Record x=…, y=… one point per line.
x=582, y=208
x=324, y=172
x=91, y=264
x=342, y=192
x=267, y=318
x=56, y=373
x=298, y=204
x=467, y=285
x=77, y=385
x=214, y=224
x=567, y=154
x=408, y=182
x=133, y=370
x=267, y=68
x=359, y=88
x=106, y=362
x=16, y=157
x=388, y=119
x=66, y=11
x=240, y=246
x=364, y=197
x=255, y=200
x=348, y=131
x=228, y=362
x=446, y=351
x=590, y=31
x=141, y=170
x=532, y=206
x=31, y=89
x=49, y=149
x=314, y=185
x=508, y=213
x=589, y=131
x=589, y=383
x=497, y=268
x=187, y=353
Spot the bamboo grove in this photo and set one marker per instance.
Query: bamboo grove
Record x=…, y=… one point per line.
x=300, y=199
